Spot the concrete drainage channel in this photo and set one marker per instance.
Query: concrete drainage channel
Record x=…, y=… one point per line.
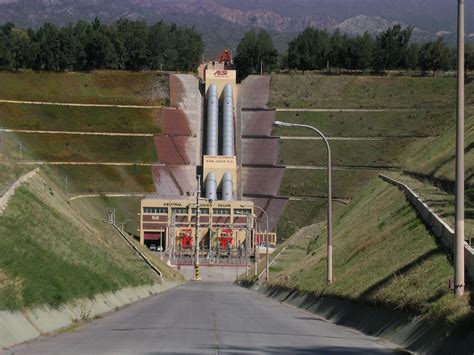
x=413, y=333
x=20, y=326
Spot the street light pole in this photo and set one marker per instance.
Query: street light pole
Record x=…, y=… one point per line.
x=459, y=229
x=329, y=188
x=197, y=275
x=255, y=251
x=267, y=275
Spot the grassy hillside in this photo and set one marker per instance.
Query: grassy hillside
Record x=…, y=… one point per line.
x=98, y=179
x=436, y=157
x=429, y=113
x=386, y=153
x=79, y=148
x=9, y=172
x=126, y=209
x=80, y=119
x=368, y=124
x=51, y=254
x=312, y=183
x=105, y=87
x=299, y=214
x=320, y=91
x=383, y=254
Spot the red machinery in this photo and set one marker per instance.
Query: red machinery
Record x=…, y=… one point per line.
x=186, y=238
x=225, y=57
x=225, y=239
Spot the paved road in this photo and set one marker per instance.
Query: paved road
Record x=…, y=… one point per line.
x=208, y=318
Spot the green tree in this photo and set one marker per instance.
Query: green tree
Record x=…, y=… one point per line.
x=469, y=57
x=310, y=50
x=435, y=56
x=412, y=58
x=253, y=50
x=338, y=49
x=6, y=56
x=48, y=55
x=392, y=47
x=133, y=35
x=99, y=49
x=360, y=51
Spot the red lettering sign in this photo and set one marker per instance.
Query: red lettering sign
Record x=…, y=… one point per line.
x=220, y=73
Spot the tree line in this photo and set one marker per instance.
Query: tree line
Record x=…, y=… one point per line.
x=84, y=46
x=315, y=49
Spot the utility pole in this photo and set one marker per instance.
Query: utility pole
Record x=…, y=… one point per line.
x=1, y=136
x=172, y=230
x=261, y=67
x=197, y=275
x=267, y=273
x=255, y=249
x=247, y=243
x=459, y=228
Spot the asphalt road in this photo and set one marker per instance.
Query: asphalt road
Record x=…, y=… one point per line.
x=207, y=318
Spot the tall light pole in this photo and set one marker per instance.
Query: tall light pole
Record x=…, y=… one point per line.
x=267, y=275
x=197, y=275
x=329, y=188
x=255, y=249
x=459, y=228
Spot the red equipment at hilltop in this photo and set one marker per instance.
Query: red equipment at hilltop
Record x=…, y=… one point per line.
x=225, y=57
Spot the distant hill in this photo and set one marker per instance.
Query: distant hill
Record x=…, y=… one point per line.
x=223, y=22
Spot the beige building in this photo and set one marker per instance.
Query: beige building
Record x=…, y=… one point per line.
x=173, y=222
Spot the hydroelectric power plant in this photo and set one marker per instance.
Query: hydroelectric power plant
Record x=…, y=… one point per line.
x=210, y=163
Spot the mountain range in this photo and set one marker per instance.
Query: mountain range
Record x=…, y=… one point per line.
x=223, y=22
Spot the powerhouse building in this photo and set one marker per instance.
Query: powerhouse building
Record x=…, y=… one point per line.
x=200, y=138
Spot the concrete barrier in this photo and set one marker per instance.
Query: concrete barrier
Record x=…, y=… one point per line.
x=11, y=190
x=407, y=331
x=20, y=326
x=436, y=224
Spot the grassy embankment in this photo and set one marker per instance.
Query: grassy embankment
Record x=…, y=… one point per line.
x=53, y=252
x=102, y=87
x=383, y=255
x=429, y=110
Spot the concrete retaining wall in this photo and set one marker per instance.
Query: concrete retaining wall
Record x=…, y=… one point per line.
x=11, y=191
x=409, y=332
x=439, y=228
x=20, y=326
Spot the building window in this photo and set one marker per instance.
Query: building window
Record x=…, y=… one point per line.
x=201, y=211
x=221, y=211
x=242, y=211
x=180, y=210
x=155, y=210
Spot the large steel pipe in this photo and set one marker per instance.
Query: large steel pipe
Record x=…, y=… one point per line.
x=211, y=187
x=227, y=187
x=212, y=121
x=228, y=121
